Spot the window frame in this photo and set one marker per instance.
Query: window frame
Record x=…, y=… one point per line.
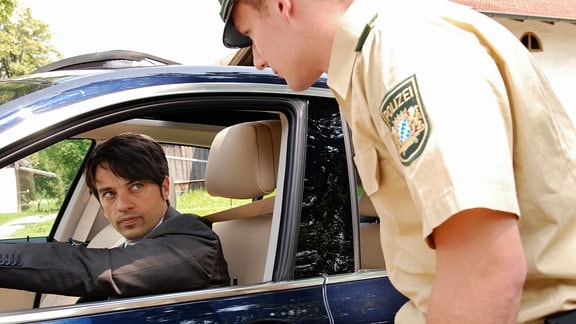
x=532, y=42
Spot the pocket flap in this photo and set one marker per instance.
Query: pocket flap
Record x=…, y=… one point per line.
x=367, y=166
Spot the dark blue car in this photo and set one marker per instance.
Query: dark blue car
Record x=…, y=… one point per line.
x=304, y=250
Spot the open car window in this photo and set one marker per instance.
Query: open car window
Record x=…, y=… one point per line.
x=35, y=187
x=241, y=218
x=186, y=134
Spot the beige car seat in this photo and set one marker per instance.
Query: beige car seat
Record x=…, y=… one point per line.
x=243, y=163
x=370, y=249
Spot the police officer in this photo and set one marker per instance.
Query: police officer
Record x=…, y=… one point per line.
x=460, y=142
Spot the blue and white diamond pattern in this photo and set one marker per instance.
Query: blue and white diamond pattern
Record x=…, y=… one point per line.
x=403, y=130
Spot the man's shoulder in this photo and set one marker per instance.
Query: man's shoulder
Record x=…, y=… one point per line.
x=186, y=219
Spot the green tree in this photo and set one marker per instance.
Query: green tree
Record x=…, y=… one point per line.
x=6, y=9
x=63, y=158
x=24, y=42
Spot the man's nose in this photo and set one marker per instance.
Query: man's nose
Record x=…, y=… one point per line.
x=124, y=202
x=258, y=59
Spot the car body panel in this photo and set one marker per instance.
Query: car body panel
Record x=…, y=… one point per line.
x=346, y=298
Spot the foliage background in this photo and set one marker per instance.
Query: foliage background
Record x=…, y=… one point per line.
x=24, y=41
x=64, y=159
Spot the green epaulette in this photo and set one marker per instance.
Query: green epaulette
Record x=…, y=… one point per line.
x=365, y=33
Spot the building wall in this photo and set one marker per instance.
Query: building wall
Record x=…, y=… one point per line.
x=558, y=58
x=8, y=191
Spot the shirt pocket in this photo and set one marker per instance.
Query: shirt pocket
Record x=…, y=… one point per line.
x=367, y=165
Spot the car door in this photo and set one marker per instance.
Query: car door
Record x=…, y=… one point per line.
x=311, y=267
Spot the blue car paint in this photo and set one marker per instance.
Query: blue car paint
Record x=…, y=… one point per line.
x=71, y=89
x=365, y=301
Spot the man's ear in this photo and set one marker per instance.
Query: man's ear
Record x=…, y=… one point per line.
x=165, y=188
x=284, y=7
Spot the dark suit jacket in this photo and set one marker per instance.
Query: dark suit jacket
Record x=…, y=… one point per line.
x=181, y=254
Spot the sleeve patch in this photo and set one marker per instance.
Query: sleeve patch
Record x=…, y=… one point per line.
x=403, y=112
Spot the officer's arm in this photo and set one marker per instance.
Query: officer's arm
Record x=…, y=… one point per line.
x=480, y=269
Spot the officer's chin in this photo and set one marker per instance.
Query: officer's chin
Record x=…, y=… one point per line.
x=299, y=85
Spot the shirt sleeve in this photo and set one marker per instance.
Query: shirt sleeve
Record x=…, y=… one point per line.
x=466, y=159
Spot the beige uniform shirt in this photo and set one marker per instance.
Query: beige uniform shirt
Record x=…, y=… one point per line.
x=448, y=112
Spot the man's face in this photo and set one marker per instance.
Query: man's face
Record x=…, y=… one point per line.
x=279, y=43
x=133, y=208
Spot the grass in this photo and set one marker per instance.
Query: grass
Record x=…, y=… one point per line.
x=199, y=202
x=35, y=230
x=8, y=217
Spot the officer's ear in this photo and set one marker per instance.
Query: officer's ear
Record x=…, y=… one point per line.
x=284, y=8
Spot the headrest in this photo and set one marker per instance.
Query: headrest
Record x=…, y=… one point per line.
x=243, y=160
x=172, y=194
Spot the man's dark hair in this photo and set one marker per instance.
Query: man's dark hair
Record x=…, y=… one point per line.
x=133, y=157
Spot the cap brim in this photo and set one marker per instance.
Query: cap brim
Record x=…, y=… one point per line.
x=232, y=38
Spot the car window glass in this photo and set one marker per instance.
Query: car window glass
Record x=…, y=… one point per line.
x=34, y=188
x=325, y=243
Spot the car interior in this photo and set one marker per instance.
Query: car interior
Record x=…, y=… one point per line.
x=246, y=162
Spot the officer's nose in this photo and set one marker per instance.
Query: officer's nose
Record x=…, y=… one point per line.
x=258, y=59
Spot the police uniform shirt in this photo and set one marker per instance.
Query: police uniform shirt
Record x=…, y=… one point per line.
x=448, y=112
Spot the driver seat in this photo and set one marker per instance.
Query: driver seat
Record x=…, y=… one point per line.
x=243, y=164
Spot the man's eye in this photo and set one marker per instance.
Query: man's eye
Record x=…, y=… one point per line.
x=137, y=186
x=108, y=194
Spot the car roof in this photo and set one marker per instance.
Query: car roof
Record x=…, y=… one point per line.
x=50, y=90
x=120, y=79
x=114, y=59
x=37, y=101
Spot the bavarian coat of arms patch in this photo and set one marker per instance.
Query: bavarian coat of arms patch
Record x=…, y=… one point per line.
x=403, y=112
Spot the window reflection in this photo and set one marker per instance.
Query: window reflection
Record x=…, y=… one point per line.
x=325, y=241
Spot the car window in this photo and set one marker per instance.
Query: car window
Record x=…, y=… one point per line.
x=34, y=188
x=325, y=243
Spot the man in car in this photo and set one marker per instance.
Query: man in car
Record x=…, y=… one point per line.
x=460, y=142
x=165, y=251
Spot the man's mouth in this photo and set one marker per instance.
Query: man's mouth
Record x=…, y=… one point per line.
x=128, y=221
